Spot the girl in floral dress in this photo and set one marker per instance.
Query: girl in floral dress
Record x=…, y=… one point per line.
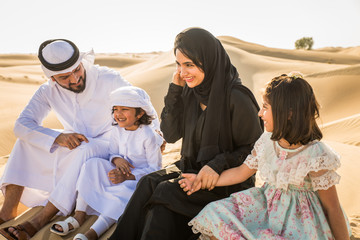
x=298, y=199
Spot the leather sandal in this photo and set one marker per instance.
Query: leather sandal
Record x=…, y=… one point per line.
x=25, y=230
x=65, y=226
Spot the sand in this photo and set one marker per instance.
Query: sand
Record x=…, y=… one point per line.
x=333, y=72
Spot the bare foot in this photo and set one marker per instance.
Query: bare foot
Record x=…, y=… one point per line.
x=22, y=231
x=18, y=234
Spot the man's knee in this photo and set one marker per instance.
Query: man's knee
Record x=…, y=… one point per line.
x=92, y=149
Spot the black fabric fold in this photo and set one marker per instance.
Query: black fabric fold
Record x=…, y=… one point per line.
x=214, y=92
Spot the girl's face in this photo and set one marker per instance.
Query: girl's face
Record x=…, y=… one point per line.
x=266, y=115
x=126, y=117
x=189, y=72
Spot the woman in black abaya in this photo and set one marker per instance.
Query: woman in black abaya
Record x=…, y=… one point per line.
x=216, y=117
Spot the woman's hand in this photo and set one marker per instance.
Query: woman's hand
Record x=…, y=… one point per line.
x=177, y=80
x=187, y=183
x=207, y=178
x=123, y=165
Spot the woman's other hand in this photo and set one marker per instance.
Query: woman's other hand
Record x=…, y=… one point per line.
x=187, y=183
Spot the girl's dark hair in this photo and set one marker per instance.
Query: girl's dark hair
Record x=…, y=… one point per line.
x=145, y=119
x=184, y=44
x=294, y=109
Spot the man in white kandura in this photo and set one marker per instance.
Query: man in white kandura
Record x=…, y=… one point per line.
x=44, y=164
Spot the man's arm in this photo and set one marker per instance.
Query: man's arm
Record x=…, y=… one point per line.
x=28, y=126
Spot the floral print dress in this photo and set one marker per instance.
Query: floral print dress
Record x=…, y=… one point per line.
x=286, y=206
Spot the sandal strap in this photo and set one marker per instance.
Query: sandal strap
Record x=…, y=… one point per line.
x=73, y=222
x=80, y=236
x=65, y=226
x=28, y=228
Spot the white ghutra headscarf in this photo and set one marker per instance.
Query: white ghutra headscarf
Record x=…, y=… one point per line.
x=59, y=56
x=135, y=97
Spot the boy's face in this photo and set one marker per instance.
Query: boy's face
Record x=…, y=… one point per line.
x=126, y=117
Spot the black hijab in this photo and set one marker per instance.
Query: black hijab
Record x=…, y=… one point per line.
x=207, y=52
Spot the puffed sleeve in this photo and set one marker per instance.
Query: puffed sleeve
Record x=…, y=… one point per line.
x=322, y=168
x=252, y=160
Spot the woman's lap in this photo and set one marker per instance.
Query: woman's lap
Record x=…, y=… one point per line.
x=160, y=188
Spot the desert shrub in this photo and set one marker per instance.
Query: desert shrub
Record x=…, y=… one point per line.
x=304, y=43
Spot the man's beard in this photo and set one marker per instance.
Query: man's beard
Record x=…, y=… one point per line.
x=79, y=88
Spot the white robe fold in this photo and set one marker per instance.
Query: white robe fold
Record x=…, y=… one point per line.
x=141, y=148
x=49, y=171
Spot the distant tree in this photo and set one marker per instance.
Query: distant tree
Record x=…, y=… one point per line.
x=304, y=43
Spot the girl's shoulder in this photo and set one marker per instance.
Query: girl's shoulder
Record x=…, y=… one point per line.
x=321, y=156
x=319, y=148
x=264, y=139
x=263, y=145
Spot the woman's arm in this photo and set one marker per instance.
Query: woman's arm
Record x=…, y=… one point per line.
x=172, y=113
x=246, y=130
x=333, y=212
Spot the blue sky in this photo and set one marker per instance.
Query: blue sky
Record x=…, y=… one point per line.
x=110, y=26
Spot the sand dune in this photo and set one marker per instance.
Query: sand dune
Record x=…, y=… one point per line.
x=333, y=72
x=8, y=60
x=303, y=55
x=350, y=50
x=345, y=130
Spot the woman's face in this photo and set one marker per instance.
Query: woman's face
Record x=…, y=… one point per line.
x=189, y=72
x=266, y=115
